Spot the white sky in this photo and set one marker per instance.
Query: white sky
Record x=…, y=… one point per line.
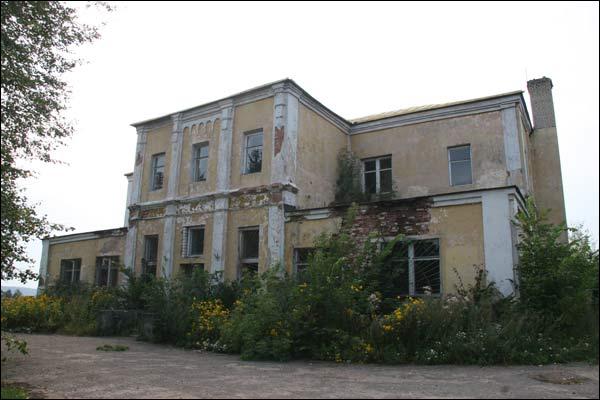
x=357, y=59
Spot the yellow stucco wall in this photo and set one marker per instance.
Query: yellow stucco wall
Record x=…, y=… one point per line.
x=87, y=250
x=237, y=219
x=249, y=117
x=157, y=141
x=204, y=133
x=460, y=231
x=420, y=153
x=319, y=143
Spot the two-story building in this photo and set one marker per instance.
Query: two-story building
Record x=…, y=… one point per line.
x=249, y=181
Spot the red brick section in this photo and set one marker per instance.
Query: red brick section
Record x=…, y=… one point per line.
x=279, y=135
x=409, y=217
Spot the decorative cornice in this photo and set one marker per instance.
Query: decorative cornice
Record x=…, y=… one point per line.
x=78, y=237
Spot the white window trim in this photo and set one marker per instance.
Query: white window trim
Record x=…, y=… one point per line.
x=470, y=163
x=247, y=135
x=72, y=262
x=194, y=171
x=188, y=252
x=377, y=172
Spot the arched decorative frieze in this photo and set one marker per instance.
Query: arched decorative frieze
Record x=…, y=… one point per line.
x=202, y=125
x=209, y=128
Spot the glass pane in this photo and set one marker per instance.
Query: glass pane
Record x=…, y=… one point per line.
x=201, y=169
x=370, y=165
x=460, y=153
x=400, y=250
x=68, y=274
x=399, y=276
x=427, y=276
x=461, y=172
x=250, y=244
x=203, y=151
x=427, y=248
x=102, y=277
x=157, y=181
x=114, y=276
x=385, y=163
x=385, y=181
x=76, y=272
x=253, y=160
x=151, y=248
x=254, y=140
x=370, y=182
x=303, y=255
x=196, y=241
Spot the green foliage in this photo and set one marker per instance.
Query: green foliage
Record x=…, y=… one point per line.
x=14, y=392
x=37, y=40
x=348, y=186
x=110, y=347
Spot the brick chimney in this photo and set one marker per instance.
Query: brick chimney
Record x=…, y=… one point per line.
x=547, y=176
x=542, y=105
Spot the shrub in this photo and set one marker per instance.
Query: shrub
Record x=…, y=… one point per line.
x=32, y=314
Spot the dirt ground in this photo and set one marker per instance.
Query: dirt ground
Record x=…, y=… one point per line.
x=70, y=367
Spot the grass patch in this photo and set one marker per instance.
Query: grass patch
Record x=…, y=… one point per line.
x=14, y=392
x=109, y=347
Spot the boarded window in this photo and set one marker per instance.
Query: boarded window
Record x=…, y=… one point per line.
x=158, y=171
x=70, y=270
x=200, y=161
x=378, y=175
x=459, y=159
x=107, y=271
x=149, y=262
x=253, y=150
x=249, y=247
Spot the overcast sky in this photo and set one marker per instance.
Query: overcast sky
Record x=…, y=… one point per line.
x=357, y=59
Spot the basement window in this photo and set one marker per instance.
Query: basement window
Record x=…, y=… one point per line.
x=158, y=171
x=200, y=162
x=416, y=268
x=253, y=150
x=70, y=270
x=188, y=269
x=377, y=176
x=107, y=271
x=149, y=262
x=459, y=160
x=249, y=243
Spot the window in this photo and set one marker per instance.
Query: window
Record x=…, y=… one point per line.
x=70, y=270
x=249, y=239
x=158, y=171
x=189, y=268
x=253, y=152
x=459, y=159
x=378, y=175
x=301, y=258
x=200, y=167
x=415, y=268
x=107, y=271
x=194, y=240
x=149, y=261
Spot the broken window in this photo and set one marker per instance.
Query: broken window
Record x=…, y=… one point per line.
x=302, y=258
x=378, y=175
x=158, y=171
x=70, y=270
x=188, y=269
x=459, y=159
x=415, y=268
x=200, y=161
x=253, y=152
x=149, y=262
x=107, y=271
x=195, y=241
x=249, y=242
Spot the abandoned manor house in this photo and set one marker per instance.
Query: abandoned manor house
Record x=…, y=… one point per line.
x=249, y=181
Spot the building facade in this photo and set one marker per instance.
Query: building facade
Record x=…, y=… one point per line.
x=249, y=181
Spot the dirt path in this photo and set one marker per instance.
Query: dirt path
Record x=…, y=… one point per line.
x=70, y=367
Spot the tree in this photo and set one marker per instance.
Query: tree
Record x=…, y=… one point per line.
x=36, y=50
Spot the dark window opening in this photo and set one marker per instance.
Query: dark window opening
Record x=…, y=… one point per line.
x=70, y=270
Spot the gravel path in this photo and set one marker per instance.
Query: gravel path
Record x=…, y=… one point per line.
x=70, y=367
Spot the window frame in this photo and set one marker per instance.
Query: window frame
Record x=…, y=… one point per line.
x=73, y=267
x=113, y=264
x=189, y=229
x=247, y=136
x=152, y=263
x=297, y=262
x=410, y=241
x=184, y=266
x=377, y=172
x=153, y=168
x=197, y=159
x=245, y=261
x=450, y=162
